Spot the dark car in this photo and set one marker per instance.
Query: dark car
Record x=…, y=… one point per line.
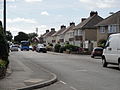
x=97, y=51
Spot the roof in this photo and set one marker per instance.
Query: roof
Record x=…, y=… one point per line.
x=89, y=22
x=49, y=33
x=113, y=19
x=69, y=28
x=45, y=34
x=59, y=32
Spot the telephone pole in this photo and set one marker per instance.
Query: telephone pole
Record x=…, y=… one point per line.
x=4, y=16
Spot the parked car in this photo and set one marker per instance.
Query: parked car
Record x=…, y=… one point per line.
x=97, y=51
x=30, y=48
x=41, y=48
x=111, y=52
x=14, y=48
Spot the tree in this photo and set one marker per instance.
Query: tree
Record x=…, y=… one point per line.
x=32, y=35
x=3, y=46
x=20, y=37
x=9, y=36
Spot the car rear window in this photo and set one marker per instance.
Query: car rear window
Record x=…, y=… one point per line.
x=98, y=49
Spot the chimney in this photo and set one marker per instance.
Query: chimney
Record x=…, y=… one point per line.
x=53, y=29
x=47, y=31
x=72, y=23
x=83, y=19
x=93, y=13
x=63, y=27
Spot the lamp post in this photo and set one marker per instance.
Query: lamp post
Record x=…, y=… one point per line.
x=4, y=16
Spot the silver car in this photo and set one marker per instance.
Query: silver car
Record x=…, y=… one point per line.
x=41, y=48
x=14, y=48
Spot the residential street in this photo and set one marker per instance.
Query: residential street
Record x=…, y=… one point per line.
x=74, y=72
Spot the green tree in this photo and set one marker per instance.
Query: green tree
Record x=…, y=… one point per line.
x=9, y=36
x=20, y=37
x=32, y=35
x=3, y=46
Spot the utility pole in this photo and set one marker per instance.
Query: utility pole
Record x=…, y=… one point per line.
x=4, y=16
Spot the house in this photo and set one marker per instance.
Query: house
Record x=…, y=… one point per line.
x=68, y=34
x=85, y=33
x=47, y=36
x=108, y=26
x=56, y=37
x=43, y=37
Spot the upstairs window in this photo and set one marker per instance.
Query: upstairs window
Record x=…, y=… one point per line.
x=112, y=28
x=102, y=30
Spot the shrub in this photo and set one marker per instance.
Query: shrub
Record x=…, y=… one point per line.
x=101, y=43
x=4, y=46
x=57, y=47
x=62, y=48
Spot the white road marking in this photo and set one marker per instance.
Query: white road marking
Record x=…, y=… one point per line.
x=63, y=82
x=73, y=88
x=82, y=70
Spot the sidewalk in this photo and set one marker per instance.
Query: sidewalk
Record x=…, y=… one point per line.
x=19, y=77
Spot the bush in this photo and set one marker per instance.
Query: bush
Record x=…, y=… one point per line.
x=57, y=47
x=71, y=47
x=4, y=46
x=62, y=48
x=101, y=43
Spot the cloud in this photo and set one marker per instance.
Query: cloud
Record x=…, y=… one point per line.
x=33, y=0
x=8, y=0
x=21, y=20
x=12, y=6
x=45, y=13
x=100, y=3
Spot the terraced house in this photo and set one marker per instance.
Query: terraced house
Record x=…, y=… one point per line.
x=108, y=26
x=85, y=33
x=56, y=37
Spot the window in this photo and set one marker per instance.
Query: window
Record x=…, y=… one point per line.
x=79, y=32
x=102, y=30
x=112, y=28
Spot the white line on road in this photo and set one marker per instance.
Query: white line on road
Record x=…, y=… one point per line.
x=73, y=88
x=63, y=82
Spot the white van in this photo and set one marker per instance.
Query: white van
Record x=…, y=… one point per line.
x=111, y=52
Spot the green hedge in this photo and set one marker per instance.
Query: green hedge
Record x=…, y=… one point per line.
x=3, y=46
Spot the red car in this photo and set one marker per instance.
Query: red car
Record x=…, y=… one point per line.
x=97, y=51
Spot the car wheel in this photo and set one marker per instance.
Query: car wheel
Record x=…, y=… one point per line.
x=119, y=65
x=104, y=62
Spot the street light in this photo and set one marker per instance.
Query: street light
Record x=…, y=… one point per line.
x=4, y=16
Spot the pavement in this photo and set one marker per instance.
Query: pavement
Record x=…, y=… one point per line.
x=20, y=77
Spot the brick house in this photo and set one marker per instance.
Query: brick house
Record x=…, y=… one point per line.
x=85, y=33
x=108, y=26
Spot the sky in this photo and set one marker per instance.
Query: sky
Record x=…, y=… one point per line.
x=27, y=15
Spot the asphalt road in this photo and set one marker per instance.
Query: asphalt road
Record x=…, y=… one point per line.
x=75, y=72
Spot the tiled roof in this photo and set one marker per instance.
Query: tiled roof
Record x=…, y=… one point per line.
x=113, y=19
x=89, y=22
x=50, y=33
x=59, y=32
x=69, y=28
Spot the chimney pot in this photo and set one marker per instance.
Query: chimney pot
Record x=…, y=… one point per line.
x=93, y=13
x=63, y=26
x=52, y=29
x=47, y=31
x=72, y=23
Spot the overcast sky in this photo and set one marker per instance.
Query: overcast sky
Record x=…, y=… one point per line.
x=27, y=15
